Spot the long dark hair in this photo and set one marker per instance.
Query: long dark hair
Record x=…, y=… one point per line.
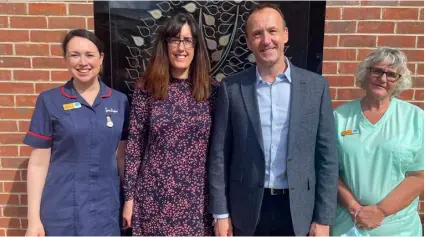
x=156, y=77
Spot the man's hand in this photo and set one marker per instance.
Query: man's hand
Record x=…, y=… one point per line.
x=223, y=227
x=369, y=217
x=318, y=230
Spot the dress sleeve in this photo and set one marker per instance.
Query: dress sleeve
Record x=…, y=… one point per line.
x=137, y=140
x=40, y=130
x=124, y=133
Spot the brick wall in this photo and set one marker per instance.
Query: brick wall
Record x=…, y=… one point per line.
x=30, y=62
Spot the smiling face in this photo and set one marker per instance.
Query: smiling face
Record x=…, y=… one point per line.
x=83, y=59
x=181, y=50
x=378, y=86
x=267, y=36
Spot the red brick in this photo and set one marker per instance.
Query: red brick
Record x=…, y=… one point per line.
x=15, y=212
x=13, y=8
x=56, y=50
x=357, y=41
x=419, y=95
x=4, y=21
x=420, y=69
x=15, y=62
x=347, y=68
x=410, y=28
x=414, y=55
x=349, y=94
x=9, y=175
x=5, y=75
x=379, y=3
x=26, y=100
x=24, y=223
x=340, y=27
x=8, y=151
x=332, y=92
x=421, y=14
x=6, y=222
x=14, y=35
x=47, y=36
x=6, y=49
x=397, y=41
x=30, y=75
x=8, y=126
x=15, y=187
x=420, y=105
x=24, y=199
x=6, y=100
x=10, y=199
x=330, y=41
x=339, y=54
x=411, y=67
x=60, y=75
x=336, y=104
x=361, y=13
x=81, y=9
x=406, y=95
x=35, y=22
x=14, y=163
x=411, y=3
x=47, y=9
x=329, y=68
x=420, y=40
x=66, y=22
x=11, y=138
x=344, y=81
x=90, y=23
x=25, y=151
x=400, y=13
x=48, y=62
x=18, y=88
x=15, y=232
x=363, y=53
x=32, y=49
x=343, y=3
x=23, y=126
x=15, y=113
x=333, y=13
x=40, y=87
x=2, y=232
x=375, y=26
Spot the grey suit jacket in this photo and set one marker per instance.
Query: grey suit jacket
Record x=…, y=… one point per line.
x=237, y=163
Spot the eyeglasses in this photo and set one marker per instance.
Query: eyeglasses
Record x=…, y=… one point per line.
x=378, y=72
x=187, y=42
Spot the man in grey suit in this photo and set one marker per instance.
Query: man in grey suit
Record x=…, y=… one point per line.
x=273, y=160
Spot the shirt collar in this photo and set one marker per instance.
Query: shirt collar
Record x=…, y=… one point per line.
x=69, y=91
x=281, y=76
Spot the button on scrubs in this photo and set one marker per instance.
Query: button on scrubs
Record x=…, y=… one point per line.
x=374, y=162
x=81, y=192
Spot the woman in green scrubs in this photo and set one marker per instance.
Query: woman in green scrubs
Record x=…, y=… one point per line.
x=381, y=152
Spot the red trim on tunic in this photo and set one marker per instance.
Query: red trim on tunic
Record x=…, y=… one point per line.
x=39, y=136
x=67, y=95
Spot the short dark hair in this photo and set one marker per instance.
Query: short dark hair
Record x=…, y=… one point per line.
x=262, y=6
x=83, y=34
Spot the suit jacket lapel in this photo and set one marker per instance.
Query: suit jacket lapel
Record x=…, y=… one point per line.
x=298, y=90
x=249, y=94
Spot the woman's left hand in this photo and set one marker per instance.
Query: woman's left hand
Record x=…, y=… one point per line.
x=369, y=217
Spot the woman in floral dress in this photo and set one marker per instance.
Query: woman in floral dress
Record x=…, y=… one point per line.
x=165, y=168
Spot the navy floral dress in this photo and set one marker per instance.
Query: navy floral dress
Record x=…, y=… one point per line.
x=166, y=162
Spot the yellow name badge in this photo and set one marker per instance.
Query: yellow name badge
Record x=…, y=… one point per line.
x=350, y=132
x=70, y=106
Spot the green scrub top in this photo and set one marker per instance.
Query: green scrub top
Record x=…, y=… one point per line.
x=375, y=160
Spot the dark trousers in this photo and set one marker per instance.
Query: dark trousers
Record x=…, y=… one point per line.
x=275, y=217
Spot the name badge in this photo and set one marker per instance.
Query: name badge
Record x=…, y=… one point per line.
x=350, y=132
x=70, y=106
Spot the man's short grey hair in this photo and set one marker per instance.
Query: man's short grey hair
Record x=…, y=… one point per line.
x=397, y=60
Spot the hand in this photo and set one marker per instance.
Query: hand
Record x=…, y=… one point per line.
x=35, y=228
x=369, y=217
x=223, y=227
x=317, y=229
x=127, y=214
